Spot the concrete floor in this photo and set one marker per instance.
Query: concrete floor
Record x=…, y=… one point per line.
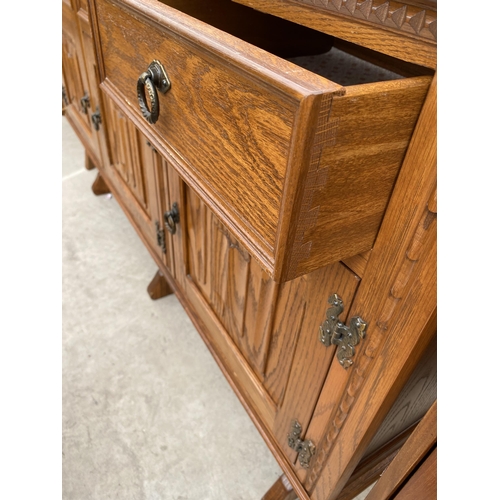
x=147, y=414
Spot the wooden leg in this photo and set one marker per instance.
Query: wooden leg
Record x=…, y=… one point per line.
x=159, y=287
x=100, y=186
x=89, y=164
x=280, y=490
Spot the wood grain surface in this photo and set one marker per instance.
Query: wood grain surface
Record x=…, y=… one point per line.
x=357, y=154
x=99, y=185
x=159, y=287
x=416, y=448
x=239, y=120
x=423, y=483
x=77, y=64
x=278, y=174
x=397, y=298
x=273, y=326
x=414, y=400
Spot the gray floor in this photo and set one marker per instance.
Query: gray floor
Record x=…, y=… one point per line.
x=147, y=413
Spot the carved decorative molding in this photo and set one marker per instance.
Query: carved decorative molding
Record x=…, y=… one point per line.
x=396, y=15
x=414, y=251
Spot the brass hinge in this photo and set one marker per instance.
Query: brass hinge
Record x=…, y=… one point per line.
x=64, y=96
x=305, y=448
x=160, y=237
x=96, y=119
x=85, y=103
x=333, y=331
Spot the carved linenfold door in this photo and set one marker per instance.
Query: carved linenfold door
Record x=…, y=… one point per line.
x=95, y=107
x=141, y=177
x=267, y=332
x=74, y=76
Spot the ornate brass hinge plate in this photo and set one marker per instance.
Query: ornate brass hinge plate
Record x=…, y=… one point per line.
x=333, y=331
x=305, y=448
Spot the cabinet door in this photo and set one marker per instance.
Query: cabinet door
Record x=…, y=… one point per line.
x=264, y=333
x=89, y=60
x=77, y=90
x=133, y=171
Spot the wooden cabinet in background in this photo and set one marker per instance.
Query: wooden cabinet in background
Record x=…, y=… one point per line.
x=81, y=95
x=264, y=189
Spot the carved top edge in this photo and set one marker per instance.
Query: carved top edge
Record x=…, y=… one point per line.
x=400, y=16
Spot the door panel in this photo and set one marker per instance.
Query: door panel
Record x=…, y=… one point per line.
x=74, y=74
x=132, y=172
x=272, y=327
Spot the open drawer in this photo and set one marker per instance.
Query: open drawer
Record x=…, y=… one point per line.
x=298, y=166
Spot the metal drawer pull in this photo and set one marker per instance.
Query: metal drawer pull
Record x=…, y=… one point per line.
x=333, y=331
x=172, y=218
x=155, y=77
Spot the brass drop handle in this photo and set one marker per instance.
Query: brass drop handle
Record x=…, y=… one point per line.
x=172, y=218
x=155, y=77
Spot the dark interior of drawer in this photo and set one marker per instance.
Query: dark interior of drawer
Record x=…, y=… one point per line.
x=339, y=61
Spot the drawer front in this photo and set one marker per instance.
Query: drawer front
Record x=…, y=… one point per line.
x=230, y=117
x=298, y=167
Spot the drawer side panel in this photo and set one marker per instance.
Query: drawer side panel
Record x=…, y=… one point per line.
x=359, y=147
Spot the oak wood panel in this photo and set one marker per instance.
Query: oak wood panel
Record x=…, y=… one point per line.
x=423, y=483
x=131, y=169
x=414, y=400
x=240, y=389
x=410, y=456
x=88, y=52
x=75, y=79
x=273, y=326
x=363, y=140
x=372, y=467
x=230, y=356
x=397, y=298
x=256, y=122
x=237, y=130
x=311, y=359
x=358, y=263
x=392, y=42
x=99, y=185
x=159, y=287
x=242, y=331
x=78, y=56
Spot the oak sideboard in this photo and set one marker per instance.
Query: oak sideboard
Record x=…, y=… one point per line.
x=278, y=160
